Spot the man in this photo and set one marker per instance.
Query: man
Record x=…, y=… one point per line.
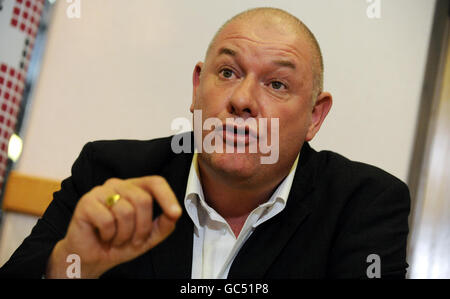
x=137, y=209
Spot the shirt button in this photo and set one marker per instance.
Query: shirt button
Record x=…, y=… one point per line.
x=224, y=231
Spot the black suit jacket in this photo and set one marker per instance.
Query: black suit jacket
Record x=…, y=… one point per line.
x=338, y=213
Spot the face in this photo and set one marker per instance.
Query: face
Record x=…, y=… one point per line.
x=257, y=69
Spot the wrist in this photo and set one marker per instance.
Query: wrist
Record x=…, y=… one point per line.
x=61, y=264
x=56, y=265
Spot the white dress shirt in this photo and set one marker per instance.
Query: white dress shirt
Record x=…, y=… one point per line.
x=215, y=245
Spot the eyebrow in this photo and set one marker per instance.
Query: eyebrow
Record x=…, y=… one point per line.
x=227, y=51
x=283, y=63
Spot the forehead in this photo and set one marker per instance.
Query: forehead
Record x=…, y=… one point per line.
x=269, y=35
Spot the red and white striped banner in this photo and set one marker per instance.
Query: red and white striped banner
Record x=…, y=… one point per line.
x=19, y=22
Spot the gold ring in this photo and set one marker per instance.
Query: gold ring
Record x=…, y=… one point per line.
x=112, y=199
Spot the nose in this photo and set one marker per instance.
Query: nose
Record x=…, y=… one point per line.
x=243, y=101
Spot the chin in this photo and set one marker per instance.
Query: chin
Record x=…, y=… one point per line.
x=235, y=165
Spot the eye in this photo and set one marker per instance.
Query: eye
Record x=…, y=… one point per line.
x=277, y=85
x=226, y=73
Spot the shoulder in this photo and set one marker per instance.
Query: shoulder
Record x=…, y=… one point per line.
x=122, y=148
x=124, y=158
x=341, y=173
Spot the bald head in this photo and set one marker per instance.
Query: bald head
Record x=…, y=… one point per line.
x=289, y=21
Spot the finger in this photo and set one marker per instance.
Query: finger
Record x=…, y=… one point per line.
x=160, y=190
x=125, y=217
x=143, y=207
x=123, y=210
x=163, y=226
x=94, y=213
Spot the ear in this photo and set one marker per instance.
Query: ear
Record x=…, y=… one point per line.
x=320, y=111
x=195, y=83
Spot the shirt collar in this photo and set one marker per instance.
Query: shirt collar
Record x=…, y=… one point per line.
x=195, y=198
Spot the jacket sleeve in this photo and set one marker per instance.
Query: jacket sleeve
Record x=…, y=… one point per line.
x=30, y=258
x=373, y=242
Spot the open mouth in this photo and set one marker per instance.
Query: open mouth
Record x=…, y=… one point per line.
x=239, y=135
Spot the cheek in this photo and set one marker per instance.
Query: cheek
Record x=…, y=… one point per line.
x=294, y=121
x=211, y=99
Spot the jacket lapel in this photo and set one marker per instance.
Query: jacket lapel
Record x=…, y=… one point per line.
x=173, y=257
x=268, y=239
